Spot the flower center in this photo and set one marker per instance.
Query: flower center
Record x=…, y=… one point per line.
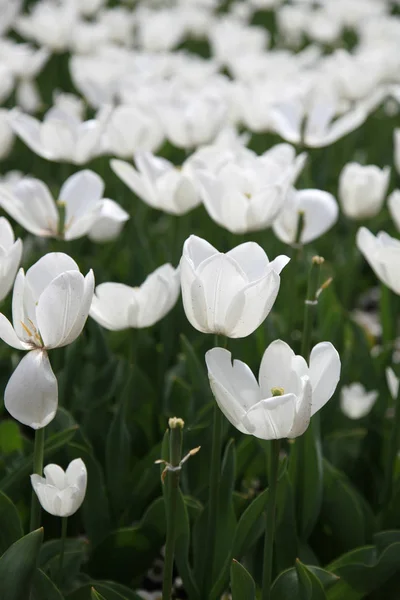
x=34, y=336
x=277, y=391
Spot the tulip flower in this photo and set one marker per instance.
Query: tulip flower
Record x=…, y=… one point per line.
x=10, y=257
x=229, y=294
x=61, y=136
x=116, y=306
x=383, y=255
x=131, y=128
x=50, y=306
x=158, y=183
x=61, y=493
x=392, y=382
x=288, y=392
x=394, y=207
x=355, y=401
x=362, y=190
x=81, y=201
x=320, y=212
x=396, y=137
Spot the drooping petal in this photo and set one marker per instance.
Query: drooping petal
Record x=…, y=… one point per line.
x=58, y=308
x=31, y=395
x=8, y=335
x=111, y=305
x=324, y=374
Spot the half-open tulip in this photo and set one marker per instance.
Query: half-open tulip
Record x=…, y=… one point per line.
x=229, y=294
x=288, y=392
x=383, y=255
x=60, y=492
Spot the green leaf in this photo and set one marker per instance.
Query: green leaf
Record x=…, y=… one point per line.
x=11, y=484
x=310, y=586
x=303, y=583
x=108, y=589
x=306, y=473
x=242, y=583
x=10, y=437
x=95, y=595
x=197, y=375
x=226, y=523
x=43, y=588
x=18, y=564
x=10, y=523
x=75, y=554
x=286, y=543
x=182, y=548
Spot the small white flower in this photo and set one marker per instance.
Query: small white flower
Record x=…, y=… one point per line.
x=362, y=190
x=61, y=493
x=355, y=401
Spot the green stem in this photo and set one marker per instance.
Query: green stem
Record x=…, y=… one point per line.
x=310, y=306
x=38, y=469
x=392, y=453
x=171, y=496
x=64, y=525
x=273, y=464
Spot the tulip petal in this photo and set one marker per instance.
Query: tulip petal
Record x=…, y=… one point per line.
x=9, y=266
x=81, y=192
x=31, y=395
x=324, y=374
x=193, y=296
x=273, y=418
x=156, y=296
x=128, y=174
x=46, y=494
x=9, y=336
x=252, y=260
x=58, y=307
x=83, y=312
x=55, y=476
x=46, y=269
x=276, y=368
x=111, y=305
x=197, y=250
x=303, y=410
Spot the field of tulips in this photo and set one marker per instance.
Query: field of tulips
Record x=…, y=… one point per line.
x=199, y=285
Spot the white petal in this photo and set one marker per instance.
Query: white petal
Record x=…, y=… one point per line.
x=109, y=222
x=83, y=312
x=303, y=410
x=111, y=305
x=128, y=174
x=47, y=495
x=321, y=212
x=8, y=268
x=81, y=193
x=392, y=382
x=324, y=374
x=276, y=368
x=272, y=419
x=156, y=296
x=46, y=269
x=193, y=296
x=8, y=335
x=55, y=476
x=252, y=259
x=31, y=395
x=197, y=250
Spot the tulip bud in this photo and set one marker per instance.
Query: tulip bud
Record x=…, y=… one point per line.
x=61, y=493
x=362, y=190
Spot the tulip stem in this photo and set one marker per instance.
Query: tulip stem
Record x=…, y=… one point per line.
x=310, y=306
x=37, y=469
x=171, y=496
x=273, y=465
x=64, y=525
x=392, y=453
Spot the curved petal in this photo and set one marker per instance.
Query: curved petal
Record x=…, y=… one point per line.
x=46, y=269
x=197, y=250
x=111, y=305
x=128, y=174
x=392, y=382
x=58, y=308
x=368, y=245
x=109, y=222
x=81, y=192
x=252, y=259
x=157, y=295
x=31, y=395
x=276, y=368
x=303, y=410
x=6, y=234
x=273, y=418
x=47, y=495
x=8, y=268
x=83, y=312
x=193, y=296
x=324, y=374
x=321, y=212
x=8, y=335
x=55, y=476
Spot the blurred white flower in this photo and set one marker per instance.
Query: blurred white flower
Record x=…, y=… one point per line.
x=383, y=255
x=131, y=128
x=109, y=222
x=229, y=294
x=87, y=8
x=392, y=382
x=394, y=207
x=228, y=38
x=8, y=13
x=158, y=183
x=50, y=306
x=288, y=392
x=369, y=321
x=6, y=134
x=396, y=139
x=362, y=190
x=10, y=257
x=49, y=24
x=61, y=493
x=355, y=401
x=161, y=29
x=80, y=207
x=320, y=212
x=61, y=136
x=116, y=306
x=119, y=23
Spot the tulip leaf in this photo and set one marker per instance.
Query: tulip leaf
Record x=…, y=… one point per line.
x=286, y=543
x=127, y=552
x=242, y=583
x=197, y=376
x=95, y=508
x=304, y=583
x=10, y=523
x=10, y=438
x=18, y=564
x=75, y=553
x=11, y=484
x=108, y=590
x=226, y=520
x=182, y=548
x=43, y=588
x=95, y=595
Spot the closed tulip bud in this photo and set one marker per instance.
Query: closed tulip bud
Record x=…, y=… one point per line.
x=229, y=294
x=10, y=257
x=288, y=392
x=355, y=401
x=362, y=190
x=60, y=492
x=383, y=255
x=117, y=306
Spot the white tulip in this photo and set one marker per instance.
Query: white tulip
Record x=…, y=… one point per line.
x=288, y=392
x=61, y=136
x=131, y=128
x=383, y=255
x=49, y=24
x=6, y=134
x=50, y=306
x=109, y=222
x=31, y=204
x=355, y=401
x=362, y=190
x=10, y=257
x=320, y=212
x=60, y=492
x=229, y=294
x=396, y=138
x=394, y=207
x=392, y=382
x=158, y=183
x=116, y=306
